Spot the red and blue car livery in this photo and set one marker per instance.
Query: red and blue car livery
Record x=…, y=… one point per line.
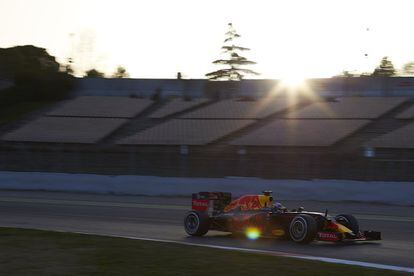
x=259, y=216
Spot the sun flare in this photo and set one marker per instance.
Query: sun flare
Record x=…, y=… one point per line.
x=292, y=81
x=252, y=233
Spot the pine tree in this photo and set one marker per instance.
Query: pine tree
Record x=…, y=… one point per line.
x=234, y=60
x=385, y=69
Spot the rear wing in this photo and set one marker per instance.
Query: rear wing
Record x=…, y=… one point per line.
x=213, y=202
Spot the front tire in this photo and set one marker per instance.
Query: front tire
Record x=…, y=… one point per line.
x=349, y=221
x=196, y=223
x=303, y=229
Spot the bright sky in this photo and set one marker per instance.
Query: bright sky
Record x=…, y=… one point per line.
x=158, y=38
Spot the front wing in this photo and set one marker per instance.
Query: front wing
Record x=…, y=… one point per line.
x=340, y=237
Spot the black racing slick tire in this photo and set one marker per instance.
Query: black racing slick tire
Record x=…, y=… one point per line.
x=349, y=221
x=303, y=229
x=196, y=223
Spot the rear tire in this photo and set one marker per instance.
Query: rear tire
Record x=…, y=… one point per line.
x=196, y=223
x=349, y=221
x=303, y=229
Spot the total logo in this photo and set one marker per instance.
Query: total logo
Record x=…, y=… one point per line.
x=327, y=236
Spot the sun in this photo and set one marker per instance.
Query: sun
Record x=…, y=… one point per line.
x=294, y=87
x=292, y=81
x=289, y=85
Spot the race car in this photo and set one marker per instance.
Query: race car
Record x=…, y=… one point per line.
x=258, y=216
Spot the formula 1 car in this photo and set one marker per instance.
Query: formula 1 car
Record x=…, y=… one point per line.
x=257, y=216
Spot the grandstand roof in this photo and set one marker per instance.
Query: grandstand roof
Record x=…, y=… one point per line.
x=176, y=105
x=102, y=106
x=241, y=109
x=400, y=138
x=300, y=133
x=65, y=130
x=348, y=108
x=185, y=132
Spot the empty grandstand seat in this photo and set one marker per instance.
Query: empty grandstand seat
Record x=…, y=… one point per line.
x=176, y=105
x=102, y=106
x=65, y=130
x=305, y=133
x=185, y=132
x=239, y=109
x=348, y=108
x=400, y=138
x=406, y=114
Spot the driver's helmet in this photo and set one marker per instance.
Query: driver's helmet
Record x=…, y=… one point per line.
x=278, y=205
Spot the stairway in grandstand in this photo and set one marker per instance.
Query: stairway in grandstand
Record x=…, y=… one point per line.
x=147, y=119
x=260, y=123
x=357, y=121
x=137, y=123
x=198, y=123
x=382, y=125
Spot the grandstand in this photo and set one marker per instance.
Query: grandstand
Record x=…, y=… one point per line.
x=402, y=138
x=300, y=133
x=105, y=107
x=176, y=105
x=242, y=109
x=248, y=135
x=348, y=108
x=406, y=114
x=185, y=132
x=65, y=130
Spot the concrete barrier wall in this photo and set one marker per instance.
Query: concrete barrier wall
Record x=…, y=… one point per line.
x=399, y=193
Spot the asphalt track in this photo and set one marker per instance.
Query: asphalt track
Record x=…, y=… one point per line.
x=161, y=218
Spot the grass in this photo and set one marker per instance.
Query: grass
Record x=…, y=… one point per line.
x=16, y=111
x=34, y=252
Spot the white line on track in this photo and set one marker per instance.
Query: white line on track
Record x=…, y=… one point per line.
x=269, y=252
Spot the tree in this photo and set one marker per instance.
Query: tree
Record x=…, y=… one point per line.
x=93, y=73
x=408, y=68
x=27, y=59
x=120, y=73
x=234, y=60
x=385, y=69
x=35, y=74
